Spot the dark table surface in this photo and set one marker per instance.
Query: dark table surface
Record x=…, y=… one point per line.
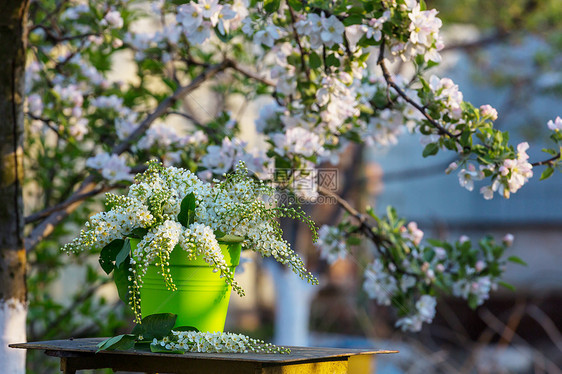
x=298, y=354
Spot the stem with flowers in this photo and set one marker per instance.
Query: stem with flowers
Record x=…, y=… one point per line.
x=409, y=274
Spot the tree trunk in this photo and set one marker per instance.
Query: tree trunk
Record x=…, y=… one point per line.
x=13, y=306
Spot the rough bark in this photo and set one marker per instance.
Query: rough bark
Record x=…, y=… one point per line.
x=12, y=251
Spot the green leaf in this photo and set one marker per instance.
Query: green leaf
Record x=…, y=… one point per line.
x=440, y=284
x=186, y=328
x=551, y=152
x=157, y=348
x=430, y=150
x=138, y=330
x=223, y=38
x=170, y=83
x=138, y=233
x=156, y=325
x=230, y=239
x=431, y=64
x=370, y=211
x=473, y=301
x=391, y=213
x=143, y=345
x=547, y=173
x=466, y=139
x=121, y=278
x=516, y=260
x=187, y=210
x=435, y=242
x=219, y=234
x=355, y=19
x=497, y=251
x=332, y=60
x=119, y=342
x=507, y=285
x=271, y=6
x=352, y=240
x=294, y=59
x=295, y=4
x=314, y=61
x=123, y=254
x=109, y=254
x=428, y=255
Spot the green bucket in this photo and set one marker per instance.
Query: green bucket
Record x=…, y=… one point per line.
x=201, y=299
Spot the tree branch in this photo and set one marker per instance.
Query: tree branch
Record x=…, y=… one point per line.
x=233, y=65
x=304, y=66
x=547, y=324
x=415, y=173
x=71, y=309
x=345, y=205
x=74, y=198
x=550, y=161
x=187, y=117
x=47, y=121
x=500, y=328
x=498, y=36
x=366, y=229
x=390, y=81
x=168, y=102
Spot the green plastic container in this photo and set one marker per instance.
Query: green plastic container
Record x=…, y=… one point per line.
x=202, y=297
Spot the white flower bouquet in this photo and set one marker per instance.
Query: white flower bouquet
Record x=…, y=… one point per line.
x=167, y=208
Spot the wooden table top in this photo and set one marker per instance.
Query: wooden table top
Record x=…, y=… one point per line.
x=298, y=354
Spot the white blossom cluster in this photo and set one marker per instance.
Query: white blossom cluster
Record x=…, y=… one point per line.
x=512, y=175
x=234, y=207
x=320, y=30
x=216, y=342
x=517, y=171
x=239, y=209
x=197, y=20
x=412, y=233
x=223, y=158
x=447, y=92
x=297, y=141
x=405, y=284
x=262, y=33
x=425, y=311
x=383, y=283
x=169, y=142
x=385, y=129
x=339, y=101
x=111, y=166
x=331, y=244
x=479, y=288
x=555, y=125
x=102, y=228
x=378, y=284
x=424, y=34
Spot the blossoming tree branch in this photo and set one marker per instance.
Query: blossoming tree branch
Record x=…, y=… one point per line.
x=327, y=69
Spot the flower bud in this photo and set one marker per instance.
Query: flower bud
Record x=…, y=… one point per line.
x=488, y=111
x=480, y=265
x=508, y=240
